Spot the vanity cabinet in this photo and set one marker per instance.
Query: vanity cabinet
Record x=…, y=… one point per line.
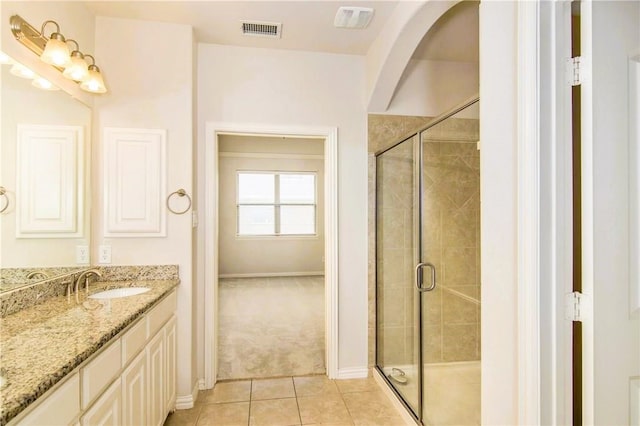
x=132, y=381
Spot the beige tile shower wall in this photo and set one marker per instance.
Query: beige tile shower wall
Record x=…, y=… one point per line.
x=452, y=316
x=271, y=327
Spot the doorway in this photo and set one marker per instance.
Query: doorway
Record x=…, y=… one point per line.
x=216, y=131
x=271, y=250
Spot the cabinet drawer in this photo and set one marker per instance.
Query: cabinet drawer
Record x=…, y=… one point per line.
x=134, y=341
x=100, y=372
x=161, y=313
x=59, y=408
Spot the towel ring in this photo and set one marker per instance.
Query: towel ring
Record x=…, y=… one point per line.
x=180, y=193
x=3, y=194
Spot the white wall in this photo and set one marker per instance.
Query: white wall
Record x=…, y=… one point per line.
x=267, y=255
x=151, y=87
x=429, y=88
x=277, y=87
x=498, y=191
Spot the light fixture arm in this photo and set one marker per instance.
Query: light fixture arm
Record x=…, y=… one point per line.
x=77, y=49
x=44, y=24
x=93, y=60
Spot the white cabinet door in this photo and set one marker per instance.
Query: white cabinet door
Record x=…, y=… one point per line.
x=134, y=392
x=170, y=361
x=156, y=382
x=107, y=411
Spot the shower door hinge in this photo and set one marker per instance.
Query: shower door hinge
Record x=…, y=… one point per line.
x=575, y=306
x=575, y=71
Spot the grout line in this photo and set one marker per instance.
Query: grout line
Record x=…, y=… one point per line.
x=295, y=393
x=250, y=401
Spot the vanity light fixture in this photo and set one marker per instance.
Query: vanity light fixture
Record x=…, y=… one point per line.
x=54, y=51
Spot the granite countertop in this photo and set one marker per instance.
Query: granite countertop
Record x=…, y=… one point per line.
x=40, y=345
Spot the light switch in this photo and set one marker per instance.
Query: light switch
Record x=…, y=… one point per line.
x=104, y=254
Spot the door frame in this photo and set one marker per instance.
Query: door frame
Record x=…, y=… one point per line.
x=544, y=211
x=330, y=137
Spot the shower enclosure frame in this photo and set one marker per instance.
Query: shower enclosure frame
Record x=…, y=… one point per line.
x=418, y=168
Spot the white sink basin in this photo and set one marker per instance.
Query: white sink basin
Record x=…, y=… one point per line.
x=119, y=292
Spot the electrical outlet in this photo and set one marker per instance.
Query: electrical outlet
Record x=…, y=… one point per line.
x=104, y=254
x=82, y=255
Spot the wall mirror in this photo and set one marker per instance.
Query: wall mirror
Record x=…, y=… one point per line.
x=44, y=170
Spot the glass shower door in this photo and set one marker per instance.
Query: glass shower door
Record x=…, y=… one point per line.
x=397, y=235
x=450, y=213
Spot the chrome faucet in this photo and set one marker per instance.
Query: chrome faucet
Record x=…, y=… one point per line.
x=37, y=274
x=85, y=275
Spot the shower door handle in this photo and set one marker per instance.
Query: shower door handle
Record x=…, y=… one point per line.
x=419, y=276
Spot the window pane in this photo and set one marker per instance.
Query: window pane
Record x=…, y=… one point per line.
x=256, y=188
x=297, y=188
x=297, y=220
x=256, y=220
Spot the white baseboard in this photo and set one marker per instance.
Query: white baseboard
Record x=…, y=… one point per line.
x=401, y=409
x=353, y=373
x=201, y=384
x=273, y=274
x=185, y=402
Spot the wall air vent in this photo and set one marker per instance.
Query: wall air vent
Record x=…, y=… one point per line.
x=353, y=17
x=261, y=29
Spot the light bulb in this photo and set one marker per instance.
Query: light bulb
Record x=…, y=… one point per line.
x=78, y=70
x=44, y=84
x=5, y=59
x=20, y=70
x=94, y=82
x=56, y=52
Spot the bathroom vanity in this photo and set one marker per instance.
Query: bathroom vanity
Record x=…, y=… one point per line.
x=83, y=361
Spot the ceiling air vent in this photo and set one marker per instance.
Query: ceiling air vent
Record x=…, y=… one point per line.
x=261, y=29
x=353, y=17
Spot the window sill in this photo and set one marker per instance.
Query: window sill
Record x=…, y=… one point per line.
x=277, y=237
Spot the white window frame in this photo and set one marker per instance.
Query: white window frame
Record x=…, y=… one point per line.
x=277, y=204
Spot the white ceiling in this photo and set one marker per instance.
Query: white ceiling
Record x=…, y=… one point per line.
x=306, y=25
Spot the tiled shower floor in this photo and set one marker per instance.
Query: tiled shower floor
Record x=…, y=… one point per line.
x=451, y=392
x=290, y=401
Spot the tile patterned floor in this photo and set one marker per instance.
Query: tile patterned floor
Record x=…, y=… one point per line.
x=307, y=400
